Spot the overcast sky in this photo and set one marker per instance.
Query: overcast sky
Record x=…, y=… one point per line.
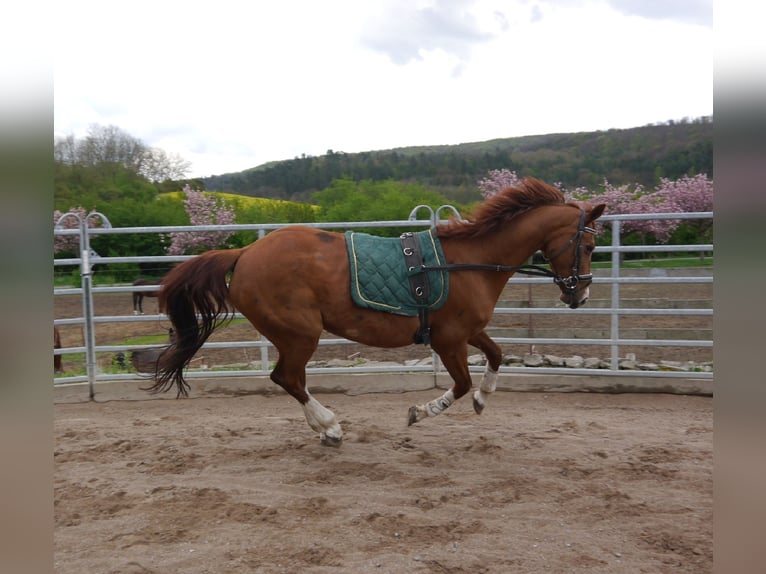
x=230, y=85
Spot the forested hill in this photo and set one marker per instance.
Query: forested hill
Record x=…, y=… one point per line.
x=637, y=155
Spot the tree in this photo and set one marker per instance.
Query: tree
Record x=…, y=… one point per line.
x=684, y=195
x=160, y=166
x=100, y=186
x=348, y=200
x=497, y=180
x=65, y=150
x=690, y=194
x=110, y=146
x=203, y=209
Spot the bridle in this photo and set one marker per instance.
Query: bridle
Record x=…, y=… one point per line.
x=567, y=284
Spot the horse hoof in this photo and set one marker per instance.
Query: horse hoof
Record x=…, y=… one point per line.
x=333, y=441
x=412, y=416
x=477, y=407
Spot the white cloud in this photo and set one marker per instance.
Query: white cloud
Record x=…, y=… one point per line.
x=405, y=30
x=685, y=11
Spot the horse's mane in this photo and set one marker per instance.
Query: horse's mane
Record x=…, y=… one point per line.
x=496, y=210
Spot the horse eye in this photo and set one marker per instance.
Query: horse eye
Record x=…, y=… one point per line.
x=589, y=249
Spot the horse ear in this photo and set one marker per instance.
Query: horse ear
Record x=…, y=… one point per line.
x=596, y=212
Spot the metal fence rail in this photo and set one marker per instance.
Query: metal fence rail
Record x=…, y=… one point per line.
x=614, y=278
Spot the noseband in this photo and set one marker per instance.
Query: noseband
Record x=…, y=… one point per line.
x=569, y=284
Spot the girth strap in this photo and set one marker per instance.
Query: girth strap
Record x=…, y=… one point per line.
x=419, y=283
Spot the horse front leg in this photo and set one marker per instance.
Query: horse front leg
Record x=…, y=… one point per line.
x=456, y=362
x=488, y=384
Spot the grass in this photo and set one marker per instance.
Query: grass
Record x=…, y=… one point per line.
x=72, y=279
x=147, y=340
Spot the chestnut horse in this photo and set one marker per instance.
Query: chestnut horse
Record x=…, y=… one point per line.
x=138, y=296
x=294, y=283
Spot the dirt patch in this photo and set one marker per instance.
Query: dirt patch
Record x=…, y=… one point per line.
x=559, y=483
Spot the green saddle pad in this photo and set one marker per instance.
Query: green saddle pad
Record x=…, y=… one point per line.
x=379, y=276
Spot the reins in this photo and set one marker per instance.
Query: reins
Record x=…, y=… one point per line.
x=527, y=269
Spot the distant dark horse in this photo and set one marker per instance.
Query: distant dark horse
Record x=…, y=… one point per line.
x=56, y=345
x=138, y=296
x=294, y=283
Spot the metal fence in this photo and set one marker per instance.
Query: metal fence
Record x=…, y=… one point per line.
x=614, y=276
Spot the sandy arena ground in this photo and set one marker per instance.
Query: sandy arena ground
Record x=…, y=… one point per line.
x=230, y=481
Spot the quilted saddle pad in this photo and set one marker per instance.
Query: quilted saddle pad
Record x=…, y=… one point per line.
x=379, y=275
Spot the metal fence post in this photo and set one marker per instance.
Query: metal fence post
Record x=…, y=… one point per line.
x=86, y=268
x=615, y=315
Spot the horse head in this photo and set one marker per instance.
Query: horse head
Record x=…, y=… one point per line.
x=569, y=254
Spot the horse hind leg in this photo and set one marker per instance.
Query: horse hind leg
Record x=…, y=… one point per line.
x=290, y=374
x=323, y=420
x=488, y=383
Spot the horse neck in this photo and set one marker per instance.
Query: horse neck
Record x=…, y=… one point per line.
x=513, y=244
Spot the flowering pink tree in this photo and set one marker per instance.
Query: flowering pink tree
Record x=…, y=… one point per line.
x=688, y=194
x=67, y=243
x=497, y=180
x=633, y=199
x=683, y=195
x=202, y=209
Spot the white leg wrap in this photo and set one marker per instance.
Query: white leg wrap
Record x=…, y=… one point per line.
x=436, y=406
x=488, y=381
x=431, y=408
x=487, y=386
x=322, y=420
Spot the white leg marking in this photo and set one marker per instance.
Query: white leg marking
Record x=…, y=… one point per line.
x=487, y=386
x=322, y=420
x=431, y=408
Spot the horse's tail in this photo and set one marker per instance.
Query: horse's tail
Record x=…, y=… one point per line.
x=196, y=287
